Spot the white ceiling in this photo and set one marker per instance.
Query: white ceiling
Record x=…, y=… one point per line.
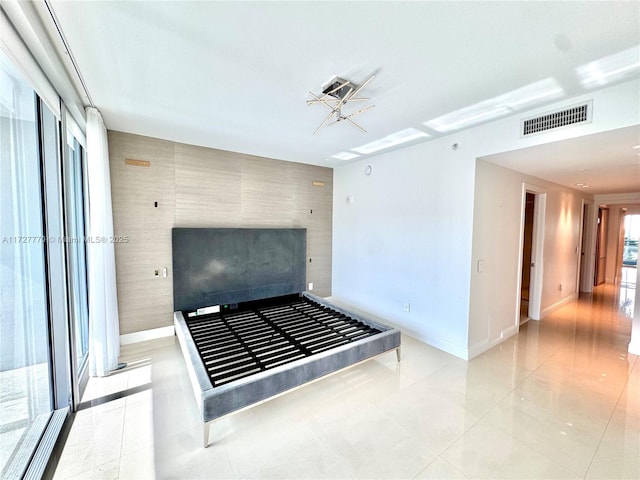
x=605, y=162
x=236, y=75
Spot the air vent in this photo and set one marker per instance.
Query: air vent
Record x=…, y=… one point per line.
x=571, y=116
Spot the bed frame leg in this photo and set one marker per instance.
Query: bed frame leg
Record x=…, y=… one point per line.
x=206, y=434
x=399, y=353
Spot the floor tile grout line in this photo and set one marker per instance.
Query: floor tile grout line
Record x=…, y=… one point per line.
x=124, y=419
x=604, y=431
x=510, y=392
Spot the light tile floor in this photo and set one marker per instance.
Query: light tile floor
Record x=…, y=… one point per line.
x=559, y=400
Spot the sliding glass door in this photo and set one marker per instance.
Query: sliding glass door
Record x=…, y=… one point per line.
x=26, y=388
x=76, y=253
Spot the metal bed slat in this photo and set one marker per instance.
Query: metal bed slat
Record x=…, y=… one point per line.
x=237, y=376
x=272, y=352
x=233, y=369
x=310, y=338
x=286, y=360
x=221, y=345
x=217, y=352
x=211, y=363
x=239, y=344
x=330, y=342
x=306, y=327
x=229, y=364
x=257, y=347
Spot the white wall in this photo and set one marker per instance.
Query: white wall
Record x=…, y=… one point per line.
x=629, y=201
x=408, y=235
x=494, y=305
x=407, y=238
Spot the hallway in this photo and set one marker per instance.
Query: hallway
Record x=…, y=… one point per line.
x=559, y=400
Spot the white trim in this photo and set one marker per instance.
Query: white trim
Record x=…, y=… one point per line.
x=589, y=242
x=444, y=345
x=617, y=198
x=75, y=130
x=481, y=347
x=634, y=344
x=559, y=304
x=14, y=47
x=36, y=32
x=537, y=250
x=440, y=344
x=146, y=335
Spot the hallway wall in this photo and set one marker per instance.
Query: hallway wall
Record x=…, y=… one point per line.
x=616, y=202
x=407, y=236
x=614, y=242
x=497, y=227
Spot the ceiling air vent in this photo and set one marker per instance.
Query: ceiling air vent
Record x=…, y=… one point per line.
x=571, y=116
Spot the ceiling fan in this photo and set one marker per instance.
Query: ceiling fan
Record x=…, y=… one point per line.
x=335, y=95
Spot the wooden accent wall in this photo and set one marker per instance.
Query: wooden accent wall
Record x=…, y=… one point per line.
x=203, y=187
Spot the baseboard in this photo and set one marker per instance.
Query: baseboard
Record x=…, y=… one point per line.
x=146, y=335
x=481, y=347
x=443, y=345
x=559, y=304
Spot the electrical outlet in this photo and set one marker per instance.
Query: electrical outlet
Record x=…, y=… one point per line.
x=156, y=273
x=560, y=287
x=406, y=306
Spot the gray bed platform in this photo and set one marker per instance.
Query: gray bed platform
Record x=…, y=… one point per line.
x=220, y=395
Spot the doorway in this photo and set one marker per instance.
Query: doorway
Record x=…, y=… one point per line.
x=527, y=241
x=630, y=240
x=601, y=246
x=533, y=211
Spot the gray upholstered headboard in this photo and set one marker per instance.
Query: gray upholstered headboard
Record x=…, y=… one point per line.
x=219, y=266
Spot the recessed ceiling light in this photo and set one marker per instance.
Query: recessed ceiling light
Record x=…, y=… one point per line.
x=398, y=138
x=345, y=156
x=610, y=69
x=519, y=99
x=532, y=94
x=579, y=184
x=466, y=116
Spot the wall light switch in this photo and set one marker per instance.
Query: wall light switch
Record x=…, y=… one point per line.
x=310, y=286
x=164, y=272
x=481, y=266
x=349, y=199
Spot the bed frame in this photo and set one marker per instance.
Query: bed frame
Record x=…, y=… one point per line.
x=238, y=355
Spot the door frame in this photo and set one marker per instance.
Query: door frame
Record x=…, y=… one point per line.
x=537, y=250
x=587, y=267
